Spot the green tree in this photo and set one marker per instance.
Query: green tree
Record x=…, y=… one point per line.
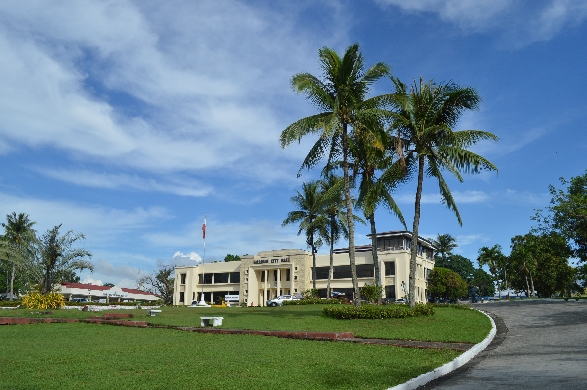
x=423, y=122
x=55, y=255
x=568, y=214
x=371, y=292
x=446, y=284
x=369, y=161
x=19, y=233
x=523, y=261
x=444, y=243
x=341, y=99
x=160, y=283
x=461, y=265
x=309, y=207
x=333, y=217
x=553, y=272
x=496, y=261
x=230, y=257
x=483, y=282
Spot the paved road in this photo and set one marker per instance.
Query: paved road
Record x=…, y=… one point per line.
x=541, y=344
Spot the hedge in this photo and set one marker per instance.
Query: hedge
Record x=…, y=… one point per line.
x=373, y=312
x=314, y=301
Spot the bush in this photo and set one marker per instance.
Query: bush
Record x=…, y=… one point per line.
x=373, y=312
x=371, y=292
x=16, y=302
x=36, y=300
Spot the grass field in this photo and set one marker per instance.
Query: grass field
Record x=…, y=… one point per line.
x=87, y=356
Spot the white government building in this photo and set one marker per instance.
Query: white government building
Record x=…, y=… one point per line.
x=255, y=279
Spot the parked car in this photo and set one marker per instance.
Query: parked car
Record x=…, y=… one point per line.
x=279, y=300
x=401, y=301
x=6, y=296
x=80, y=300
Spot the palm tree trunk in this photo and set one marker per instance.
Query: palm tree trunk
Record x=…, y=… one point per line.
x=414, y=251
x=12, y=282
x=374, y=250
x=349, y=211
x=331, y=270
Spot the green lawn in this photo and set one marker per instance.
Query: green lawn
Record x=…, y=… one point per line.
x=448, y=324
x=88, y=356
x=85, y=356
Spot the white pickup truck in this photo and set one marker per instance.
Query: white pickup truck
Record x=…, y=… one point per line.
x=280, y=299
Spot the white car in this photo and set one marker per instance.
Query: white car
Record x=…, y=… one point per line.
x=279, y=300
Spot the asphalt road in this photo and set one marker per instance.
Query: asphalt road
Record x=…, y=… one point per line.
x=540, y=344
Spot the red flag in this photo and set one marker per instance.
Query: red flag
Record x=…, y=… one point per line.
x=204, y=229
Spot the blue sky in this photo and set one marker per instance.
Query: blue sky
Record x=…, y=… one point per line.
x=130, y=120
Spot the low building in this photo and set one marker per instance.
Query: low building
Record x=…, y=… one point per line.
x=94, y=293
x=256, y=279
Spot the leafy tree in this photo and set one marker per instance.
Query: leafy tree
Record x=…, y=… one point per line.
x=496, y=261
x=19, y=234
x=523, y=261
x=423, y=122
x=483, y=282
x=568, y=214
x=444, y=243
x=230, y=257
x=446, y=284
x=161, y=283
x=309, y=208
x=53, y=255
x=461, y=265
x=371, y=292
x=344, y=110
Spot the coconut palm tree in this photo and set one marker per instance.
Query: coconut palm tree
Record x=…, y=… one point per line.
x=309, y=208
x=445, y=243
x=423, y=122
x=19, y=233
x=341, y=99
x=333, y=218
x=378, y=176
x=496, y=261
x=54, y=255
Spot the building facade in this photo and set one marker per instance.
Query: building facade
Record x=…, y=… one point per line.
x=256, y=279
x=94, y=293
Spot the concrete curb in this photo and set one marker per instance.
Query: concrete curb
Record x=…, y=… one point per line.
x=450, y=366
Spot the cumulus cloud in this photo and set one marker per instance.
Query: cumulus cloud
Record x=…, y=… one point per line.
x=180, y=258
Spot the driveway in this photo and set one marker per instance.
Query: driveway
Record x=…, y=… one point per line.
x=540, y=344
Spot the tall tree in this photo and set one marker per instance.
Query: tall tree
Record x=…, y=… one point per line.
x=341, y=99
x=496, y=261
x=568, y=214
x=445, y=243
x=19, y=232
x=160, y=283
x=334, y=219
x=423, y=122
x=523, y=260
x=378, y=176
x=55, y=255
x=309, y=208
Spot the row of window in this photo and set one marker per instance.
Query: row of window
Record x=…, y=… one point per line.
x=220, y=277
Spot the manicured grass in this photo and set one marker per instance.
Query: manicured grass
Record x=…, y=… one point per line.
x=448, y=324
x=88, y=356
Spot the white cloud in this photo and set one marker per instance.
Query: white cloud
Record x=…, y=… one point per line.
x=469, y=196
x=192, y=258
x=172, y=185
x=96, y=282
x=520, y=23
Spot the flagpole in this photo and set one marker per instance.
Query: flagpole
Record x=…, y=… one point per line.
x=202, y=301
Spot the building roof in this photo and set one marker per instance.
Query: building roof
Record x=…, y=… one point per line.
x=85, y=286
x=405, y=233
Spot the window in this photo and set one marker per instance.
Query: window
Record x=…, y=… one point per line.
x=182, y=278
x=275, y=275
x=296, y=268
x=221, y=277
x=207, y=279
x=390, y=292
x=287, y=275
x=344, y=271
x=235, y=277
x=322, y=272
x=262, y=276
x=389, y=268
x=295, y=277
x=181, y=297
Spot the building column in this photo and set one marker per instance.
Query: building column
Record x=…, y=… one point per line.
x=265, y=288
x=291, y=279
x=278, y=281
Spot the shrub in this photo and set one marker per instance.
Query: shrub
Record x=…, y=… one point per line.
x=371, y=292
x=373, y=312
x=36, y=300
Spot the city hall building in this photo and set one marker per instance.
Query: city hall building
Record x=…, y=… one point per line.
x=257, y=278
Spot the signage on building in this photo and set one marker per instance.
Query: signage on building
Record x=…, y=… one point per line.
x=232, y=298
x=272, y=261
